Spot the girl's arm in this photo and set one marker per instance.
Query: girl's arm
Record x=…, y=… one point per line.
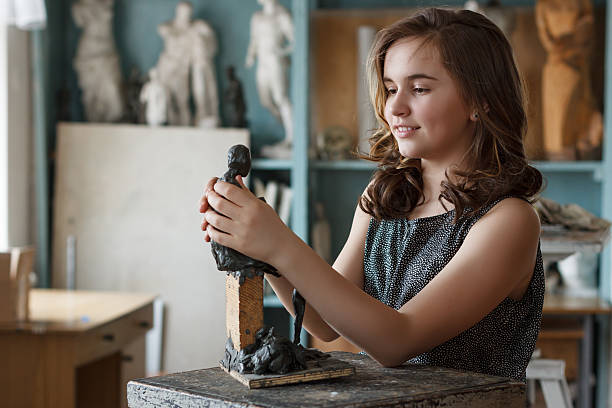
x=495, y=261
x=348, y=264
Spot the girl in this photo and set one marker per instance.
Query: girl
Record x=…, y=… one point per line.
x=442, y=264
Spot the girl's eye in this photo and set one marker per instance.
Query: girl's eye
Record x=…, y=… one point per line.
x=420, y=91
x=391, y=91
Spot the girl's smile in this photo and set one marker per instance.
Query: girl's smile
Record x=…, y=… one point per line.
x=403, y=131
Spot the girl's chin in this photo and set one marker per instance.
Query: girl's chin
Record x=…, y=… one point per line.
x=408, y=152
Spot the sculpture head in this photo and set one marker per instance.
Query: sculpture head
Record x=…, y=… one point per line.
x=267, y=3
x=183, y=13
x=153, y=74
x=239, y=158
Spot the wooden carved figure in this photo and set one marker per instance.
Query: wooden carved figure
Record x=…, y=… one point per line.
x=572, y=125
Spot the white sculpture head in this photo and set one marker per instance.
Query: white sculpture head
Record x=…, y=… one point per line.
x=183, y=13
x=153, y=74
x=267, y=3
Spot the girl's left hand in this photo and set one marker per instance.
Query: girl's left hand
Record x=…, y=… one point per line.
x=244, y=222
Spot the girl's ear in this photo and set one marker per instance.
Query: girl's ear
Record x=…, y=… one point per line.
x=475, y=116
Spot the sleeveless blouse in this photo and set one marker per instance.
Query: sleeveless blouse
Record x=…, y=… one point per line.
x=402, y=256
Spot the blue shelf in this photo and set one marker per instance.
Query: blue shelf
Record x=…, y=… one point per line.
x=594, y=167
x=568, y=166
x=343, y=165
x=271, y=164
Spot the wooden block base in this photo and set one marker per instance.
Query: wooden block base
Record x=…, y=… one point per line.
x=317, y=370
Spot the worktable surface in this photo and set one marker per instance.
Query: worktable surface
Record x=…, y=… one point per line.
x=75, y=311
x=371, y=386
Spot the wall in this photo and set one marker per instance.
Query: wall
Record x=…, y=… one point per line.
x=15, y=138
x=129, y=196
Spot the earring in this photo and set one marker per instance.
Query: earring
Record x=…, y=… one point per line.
x=475, y=116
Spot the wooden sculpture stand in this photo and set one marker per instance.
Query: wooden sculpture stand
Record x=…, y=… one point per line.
x=244, y=317
x=243, y=309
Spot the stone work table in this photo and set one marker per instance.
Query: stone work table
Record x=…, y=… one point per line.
x=371, y=386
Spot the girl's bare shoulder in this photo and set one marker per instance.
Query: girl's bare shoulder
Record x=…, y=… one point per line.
x=511, y=216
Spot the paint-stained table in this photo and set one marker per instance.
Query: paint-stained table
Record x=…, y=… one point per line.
x=371, y=386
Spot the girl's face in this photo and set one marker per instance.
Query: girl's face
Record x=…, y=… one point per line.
x=424, y=110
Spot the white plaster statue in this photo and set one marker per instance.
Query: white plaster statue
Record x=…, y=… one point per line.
x=97, y=62
x=174, y=62
x=204, y=84
x=154, y=96
x=271, y=44
x=189, y=48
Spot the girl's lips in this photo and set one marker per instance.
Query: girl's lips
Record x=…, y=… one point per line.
x=405, y=131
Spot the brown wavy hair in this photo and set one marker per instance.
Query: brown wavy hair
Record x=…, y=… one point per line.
x=480, y=60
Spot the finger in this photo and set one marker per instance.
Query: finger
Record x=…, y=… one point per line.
x=235, y=194
x=222, y=205
x=211, y=183
x=219, y=237
x=218, y=221
x=240, y=181
x=203, y=224
x=203, y=203
x=203, y=199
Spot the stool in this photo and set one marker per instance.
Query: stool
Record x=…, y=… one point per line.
x=551, y=374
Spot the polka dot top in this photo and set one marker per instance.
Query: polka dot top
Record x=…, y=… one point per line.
x=402, y=256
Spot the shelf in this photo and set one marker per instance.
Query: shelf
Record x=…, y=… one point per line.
x=557, y=245
x=343, y=165
x=271, y=164
x=568, y=166
x=594, y=167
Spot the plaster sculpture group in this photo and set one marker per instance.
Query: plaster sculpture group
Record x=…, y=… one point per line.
x=185, y=70
x=187, y=58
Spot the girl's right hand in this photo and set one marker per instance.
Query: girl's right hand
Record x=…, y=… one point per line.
x=204, y=206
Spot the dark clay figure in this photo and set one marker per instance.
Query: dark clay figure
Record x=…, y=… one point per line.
x=228, y=259
x=269, y=353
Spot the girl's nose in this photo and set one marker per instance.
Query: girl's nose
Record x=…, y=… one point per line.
x=398, y=106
